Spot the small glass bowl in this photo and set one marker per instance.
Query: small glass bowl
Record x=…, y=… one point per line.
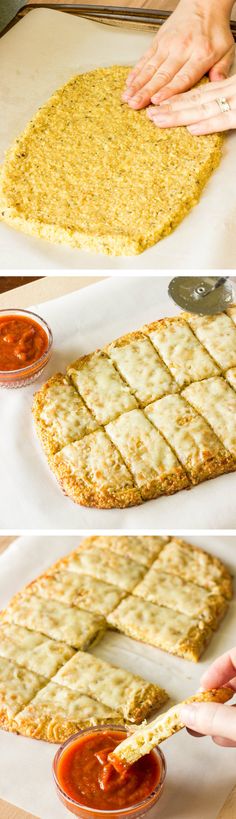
x=85, y=812
x=25, y=375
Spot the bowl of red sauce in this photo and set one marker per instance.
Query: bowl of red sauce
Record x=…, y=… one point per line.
x=25, y=347
x=90, y=787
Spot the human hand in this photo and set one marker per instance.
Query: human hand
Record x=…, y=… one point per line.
x=199, y=109
x=214, y=719
x=194, y=40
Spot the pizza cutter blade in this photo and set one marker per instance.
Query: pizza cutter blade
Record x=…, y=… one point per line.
x=204, y=295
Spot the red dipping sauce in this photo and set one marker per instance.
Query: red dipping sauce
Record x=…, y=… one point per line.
x=25, y=346
x=88, y=783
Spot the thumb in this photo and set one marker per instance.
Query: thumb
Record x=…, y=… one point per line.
x=211, y=719
x=220, y=71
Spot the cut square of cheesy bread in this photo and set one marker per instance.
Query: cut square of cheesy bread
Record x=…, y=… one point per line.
x=124, y=692
x=104, y=564
x=144, y=549
x=199, y=450
x=172, y=596
x=151, y=413
x=218, y=334
x=216, y=401
x=195, y=565
x=80, y=590
x=93, y=472
x=162, y=627
x=57, y=712
x=18, y=686
x=148, y=736
x=154, y=466
x=101, y=387
x=141, y=367
x=181, y=351
x=68, y=624
x=32, y=649
x=188, y=598
x=61, y=415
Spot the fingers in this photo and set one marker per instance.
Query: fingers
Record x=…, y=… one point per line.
x=221, y=69
x=211, y=719
x=163, y=117
x=150, y=80
x=225, y=743
x=144, y=59
x=222, y=671
x=201, y=94
x=189, y=73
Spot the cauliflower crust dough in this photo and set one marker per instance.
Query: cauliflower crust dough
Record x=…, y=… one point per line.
x=78, y=689
x=90, y=172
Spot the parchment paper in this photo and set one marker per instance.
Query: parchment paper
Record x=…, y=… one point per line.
x=30, y=496
x=37, y=56
x=199, y=774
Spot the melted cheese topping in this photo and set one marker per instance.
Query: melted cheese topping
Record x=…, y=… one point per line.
x=144, y=450
x=66, y=414
x=216, y=401
x=78, y=590
x=171, y=591
x=32, y=650
x=101, y=387
x=95, y=461
x=190, y=563
x=193, y=440
x=218, y=335
x=141, y=549
x=158, y=626
x=186, y=358
x=88, y=674
x=63, y=703
x=124, y=573
x=142, y=368
x=17, y=686
x=73, y=626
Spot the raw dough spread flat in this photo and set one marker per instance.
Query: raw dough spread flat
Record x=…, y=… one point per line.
x=90, y=172
x=162, y=591
x=152, y=413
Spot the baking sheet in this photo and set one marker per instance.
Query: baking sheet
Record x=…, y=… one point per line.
x=30, y=496
x=39, y=54
x=199, y=774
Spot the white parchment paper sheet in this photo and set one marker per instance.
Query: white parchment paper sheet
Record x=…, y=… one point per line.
x=37, y=56
x=30, y=495
x=200, y=774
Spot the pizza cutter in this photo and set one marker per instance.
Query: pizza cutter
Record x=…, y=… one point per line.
x=204, y=295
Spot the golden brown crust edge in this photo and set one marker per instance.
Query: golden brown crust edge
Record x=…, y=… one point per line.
x=45, y=434
x=88, y=495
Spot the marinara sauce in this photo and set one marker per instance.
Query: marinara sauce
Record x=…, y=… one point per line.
x=22, y=342
x=86, y=776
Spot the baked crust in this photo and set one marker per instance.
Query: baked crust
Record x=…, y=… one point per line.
x=145, y=738
x=140, y=453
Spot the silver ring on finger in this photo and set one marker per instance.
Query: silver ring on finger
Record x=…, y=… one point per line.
x=223, y=104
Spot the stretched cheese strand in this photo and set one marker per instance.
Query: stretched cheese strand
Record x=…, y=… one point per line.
x=143, y=740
